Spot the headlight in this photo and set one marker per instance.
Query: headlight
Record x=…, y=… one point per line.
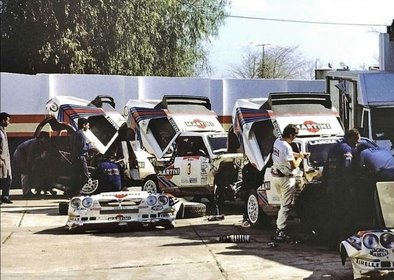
x=75, y=203
x=163, y=200
x=387, y=240
x=87, y=202
x=151, y=200
x=370, y=241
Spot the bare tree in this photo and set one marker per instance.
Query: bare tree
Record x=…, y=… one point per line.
x=276, y=63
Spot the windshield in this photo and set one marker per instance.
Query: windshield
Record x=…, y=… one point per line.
x=319, y=150
x=218, y=143
x=382, y=128
x=102, y=129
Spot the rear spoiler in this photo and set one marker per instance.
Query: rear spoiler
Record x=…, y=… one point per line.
x=183, y=100
x=100, y=99
x=281, y=98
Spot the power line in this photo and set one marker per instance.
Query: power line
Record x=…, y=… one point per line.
x=305, y=21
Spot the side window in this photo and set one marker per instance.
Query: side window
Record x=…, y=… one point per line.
x=191, y=146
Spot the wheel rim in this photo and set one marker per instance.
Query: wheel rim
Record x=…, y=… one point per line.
x=150, y=186
x=253, y=209
x=91, y=186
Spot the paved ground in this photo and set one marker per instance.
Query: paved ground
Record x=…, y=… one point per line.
x=35, y=245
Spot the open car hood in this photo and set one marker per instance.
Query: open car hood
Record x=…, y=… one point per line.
x=159, y=122
x=259, y=121
x=105, y=124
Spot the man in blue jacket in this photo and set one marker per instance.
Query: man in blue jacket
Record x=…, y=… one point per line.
x=339, y=176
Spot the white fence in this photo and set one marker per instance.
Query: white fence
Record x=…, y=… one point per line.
x=27, y=94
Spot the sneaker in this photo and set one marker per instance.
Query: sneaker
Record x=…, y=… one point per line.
x=280, y=234
x=246, y=224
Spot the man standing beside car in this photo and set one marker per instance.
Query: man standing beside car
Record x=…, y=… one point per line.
x=285, y=163
x=5, y=159
x=79, y=152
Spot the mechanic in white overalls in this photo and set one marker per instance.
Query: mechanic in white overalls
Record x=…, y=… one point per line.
x=284, y=170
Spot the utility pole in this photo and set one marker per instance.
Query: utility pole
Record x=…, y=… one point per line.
x=262, y=58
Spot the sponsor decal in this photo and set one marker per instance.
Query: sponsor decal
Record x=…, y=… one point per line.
x=141, y=164
x=323, y=141
x=119, y=218
x=379, y=252
x=366, y=263
x=313, y=127
x=199, y=123
x=157, y=207
x=173, y=124
x=193, y=180
x=266, y=185
x=169, y=172
x=111, y=121
x=276, y=131
x=120, y=195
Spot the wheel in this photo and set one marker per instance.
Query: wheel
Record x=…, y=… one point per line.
x=169, y=225
x=254, y=214
x=63, y=208
x=150, y=185
x=91, y=186
x=252, y=207
x=194, y=209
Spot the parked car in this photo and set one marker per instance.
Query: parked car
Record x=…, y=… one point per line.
x=109, y=135
x=371, y=251
x=186, y=143
x=259, y=121
x=122, y=208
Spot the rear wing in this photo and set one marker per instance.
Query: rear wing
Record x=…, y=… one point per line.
x=281, y=98
x=169, y=100
x=100, y=99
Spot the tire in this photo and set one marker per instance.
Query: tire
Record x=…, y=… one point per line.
x=192, y=210
x=151, y=185
x=169, y=225
x=254, y=214
x=63, y=208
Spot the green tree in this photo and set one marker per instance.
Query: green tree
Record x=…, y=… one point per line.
x=124, y=37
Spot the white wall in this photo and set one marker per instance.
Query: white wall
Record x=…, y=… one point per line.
x=27, y=94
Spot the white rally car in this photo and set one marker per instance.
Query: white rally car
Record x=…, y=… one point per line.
x=372, y=251
x=122, y=208
x=259, y=121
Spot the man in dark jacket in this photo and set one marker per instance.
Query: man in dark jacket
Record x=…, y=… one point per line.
x=339, y=175
x=79, y=152
x=25, y=157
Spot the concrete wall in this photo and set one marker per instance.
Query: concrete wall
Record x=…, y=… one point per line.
x=27, y=94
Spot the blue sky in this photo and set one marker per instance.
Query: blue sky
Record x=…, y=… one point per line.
x=353, y=45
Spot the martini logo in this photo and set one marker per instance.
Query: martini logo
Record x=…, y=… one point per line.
x=313, y=127
x=120, y=195
x=199, y=123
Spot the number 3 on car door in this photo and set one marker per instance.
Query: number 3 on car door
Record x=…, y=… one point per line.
x=189, y=168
